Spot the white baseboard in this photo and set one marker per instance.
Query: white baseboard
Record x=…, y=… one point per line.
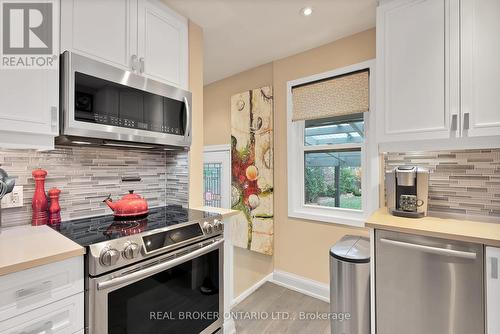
x=229, y=327
x=250, y=290
x=303, y=285
x=291, y=281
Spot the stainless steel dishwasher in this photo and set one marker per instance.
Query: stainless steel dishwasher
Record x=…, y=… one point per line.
x=428, y=285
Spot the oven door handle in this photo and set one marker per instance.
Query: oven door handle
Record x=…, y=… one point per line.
x=158, y=267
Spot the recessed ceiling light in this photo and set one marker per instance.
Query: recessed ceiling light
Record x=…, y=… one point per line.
x=306, y=11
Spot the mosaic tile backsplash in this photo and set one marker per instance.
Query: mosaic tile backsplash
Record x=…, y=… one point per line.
x=87, y=175
x=462, y=183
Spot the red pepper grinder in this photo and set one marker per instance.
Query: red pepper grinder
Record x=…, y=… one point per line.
x=39, y=203
x=55, y=208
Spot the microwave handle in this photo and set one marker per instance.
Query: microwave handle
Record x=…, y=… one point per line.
x=188, y=119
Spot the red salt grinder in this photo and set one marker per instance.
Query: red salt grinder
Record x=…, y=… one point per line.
x=39, y=203
x=55, y=208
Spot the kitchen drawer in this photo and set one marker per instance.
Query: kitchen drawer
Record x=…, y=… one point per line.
x=61, y=317
x=29, y=289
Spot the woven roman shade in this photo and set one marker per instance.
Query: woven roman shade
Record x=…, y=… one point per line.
x=338, y=96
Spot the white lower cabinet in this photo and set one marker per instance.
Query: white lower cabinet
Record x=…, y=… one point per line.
x=43, y=299
x=65, y=316
x=492, y=290
x=29, y=289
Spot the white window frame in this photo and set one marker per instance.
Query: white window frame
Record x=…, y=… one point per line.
x=369, y=159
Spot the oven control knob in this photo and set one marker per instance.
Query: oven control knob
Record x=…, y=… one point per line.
x=207, y=227
x=109, y=256
x=217, y=225
x=131, y=250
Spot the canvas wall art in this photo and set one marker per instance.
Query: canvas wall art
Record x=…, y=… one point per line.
x=252, y=169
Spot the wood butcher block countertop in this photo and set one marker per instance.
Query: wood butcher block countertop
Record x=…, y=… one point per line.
x=27, y=246
x=463, y=230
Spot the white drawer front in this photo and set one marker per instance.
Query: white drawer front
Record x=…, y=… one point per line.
x=61, y=317
x=26, y=290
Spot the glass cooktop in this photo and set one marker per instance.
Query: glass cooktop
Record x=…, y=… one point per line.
x=88, y=231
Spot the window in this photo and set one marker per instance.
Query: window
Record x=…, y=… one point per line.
x=212, y=173
x=332, y=160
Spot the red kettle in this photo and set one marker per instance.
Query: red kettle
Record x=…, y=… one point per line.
x=130, y=205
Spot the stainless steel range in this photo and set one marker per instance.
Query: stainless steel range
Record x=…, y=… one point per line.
x=156, y=274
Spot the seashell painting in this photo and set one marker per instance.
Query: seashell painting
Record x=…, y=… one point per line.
x=252, y=169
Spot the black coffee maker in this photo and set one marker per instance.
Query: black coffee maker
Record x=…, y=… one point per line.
x=407, y=189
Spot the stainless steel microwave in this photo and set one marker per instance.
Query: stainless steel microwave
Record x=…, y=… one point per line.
x=105, y=105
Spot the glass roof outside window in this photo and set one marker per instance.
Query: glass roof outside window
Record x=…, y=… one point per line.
x=351, y=158
x=335, y=130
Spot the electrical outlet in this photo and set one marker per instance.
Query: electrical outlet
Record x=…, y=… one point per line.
x=14, y=199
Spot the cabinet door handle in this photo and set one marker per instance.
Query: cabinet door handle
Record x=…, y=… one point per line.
x=45, y=327
x=141, y=64
x=54, y=119
x=454, y=122
x=494, y=268
x=466, y=121
x=133, y=63
x=35, y=290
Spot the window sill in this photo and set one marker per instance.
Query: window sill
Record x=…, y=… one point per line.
x=328, y=215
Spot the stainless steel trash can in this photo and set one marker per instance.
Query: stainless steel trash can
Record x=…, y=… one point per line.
x=350, y=285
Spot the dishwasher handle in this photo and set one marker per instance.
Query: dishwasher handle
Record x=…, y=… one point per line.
x=430, y=249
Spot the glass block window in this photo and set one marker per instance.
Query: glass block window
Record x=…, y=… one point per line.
x=212, y=184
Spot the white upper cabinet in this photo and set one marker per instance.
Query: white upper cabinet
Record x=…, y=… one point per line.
x=438, y=74
x=414, y=40
x=162, y=43
x=103, y=30
x=29, y=96
x=29, y=106
x=480, y=67
x=143, y=36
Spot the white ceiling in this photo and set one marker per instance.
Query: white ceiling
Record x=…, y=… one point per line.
x=242, y=34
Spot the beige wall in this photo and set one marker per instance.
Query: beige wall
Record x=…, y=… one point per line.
x=249, y=267
x=300, y=247
x=217, y=102
x=196, y=87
